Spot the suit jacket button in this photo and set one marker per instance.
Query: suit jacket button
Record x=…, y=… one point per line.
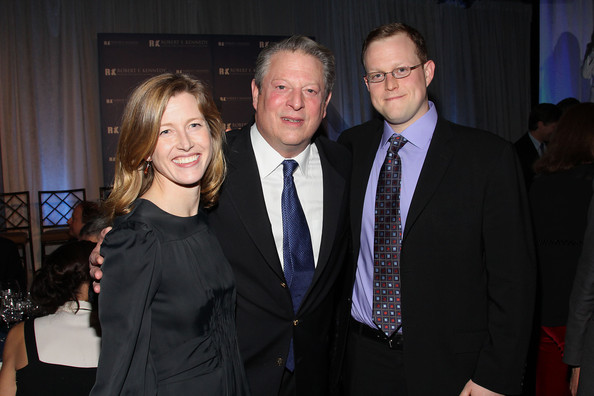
x=295, y=322
x=279, y=361
x=283, y=284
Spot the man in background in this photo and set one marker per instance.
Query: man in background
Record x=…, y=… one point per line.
x=542, y=123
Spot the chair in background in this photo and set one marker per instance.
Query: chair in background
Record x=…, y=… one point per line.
x=15, y=223
x=104, y=192
x=55, y=208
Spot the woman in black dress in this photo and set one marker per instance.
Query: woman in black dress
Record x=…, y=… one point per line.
x=167, y=294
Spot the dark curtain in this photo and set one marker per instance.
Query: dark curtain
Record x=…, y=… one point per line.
x=49, y=109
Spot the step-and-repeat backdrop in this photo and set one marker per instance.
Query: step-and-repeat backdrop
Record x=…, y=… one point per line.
x=225, y=62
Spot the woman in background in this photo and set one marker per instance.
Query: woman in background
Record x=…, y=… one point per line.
x=83, y=213
x=167, y=292
x=559, y=197
x=55, y=354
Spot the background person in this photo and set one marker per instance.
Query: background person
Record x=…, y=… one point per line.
x=82, y=214
x=559, y=199
x=55, y=354
x=542, y=122
x=91, y=231
x=579, y=338
x=11, y=269
x=567, y=103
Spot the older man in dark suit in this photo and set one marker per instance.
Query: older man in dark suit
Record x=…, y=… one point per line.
x=285, y=311
x=443, y=290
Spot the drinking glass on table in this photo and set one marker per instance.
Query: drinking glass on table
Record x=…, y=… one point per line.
x=10, y=307
x=11, y=303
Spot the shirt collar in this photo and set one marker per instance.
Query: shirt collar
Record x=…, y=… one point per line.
x=418, y=134
x=535, y=141
x=268, y=159
x=71, y=306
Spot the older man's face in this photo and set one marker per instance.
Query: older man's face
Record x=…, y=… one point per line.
x=290, y=104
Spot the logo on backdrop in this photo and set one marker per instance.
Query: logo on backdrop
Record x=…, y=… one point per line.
x=181, y=43
x=229, y=71
x=225, y=63
x=235, y=98
x=134, y=71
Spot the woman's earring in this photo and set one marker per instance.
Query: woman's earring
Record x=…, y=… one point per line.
x=147, y=165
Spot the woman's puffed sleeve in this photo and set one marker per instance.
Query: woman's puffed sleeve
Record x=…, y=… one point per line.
x=130, y=279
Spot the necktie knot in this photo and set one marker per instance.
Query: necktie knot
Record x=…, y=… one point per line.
x=396, y=142
x=289, y=167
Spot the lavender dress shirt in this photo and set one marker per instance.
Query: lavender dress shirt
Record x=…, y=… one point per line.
x=412, y=156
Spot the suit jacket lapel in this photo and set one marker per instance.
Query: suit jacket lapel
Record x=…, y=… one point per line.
x=245, y=193
x=436, y=163
x=333, y=184
x=333, y=201
x=362, y=165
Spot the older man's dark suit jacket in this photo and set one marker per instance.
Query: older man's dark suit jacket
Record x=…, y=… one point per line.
x=467, y=267
x=265, y=318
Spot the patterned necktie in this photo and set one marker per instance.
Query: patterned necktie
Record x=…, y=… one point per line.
x=297, y=250
x=387, y=242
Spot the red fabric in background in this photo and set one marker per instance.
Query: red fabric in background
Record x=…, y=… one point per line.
x=552, y=375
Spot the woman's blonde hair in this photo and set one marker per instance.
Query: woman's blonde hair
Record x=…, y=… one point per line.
x=139, y=134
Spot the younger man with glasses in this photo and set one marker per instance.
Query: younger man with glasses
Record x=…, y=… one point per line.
x=444, y=283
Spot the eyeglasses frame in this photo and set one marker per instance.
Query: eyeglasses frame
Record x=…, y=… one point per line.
x=410, y=69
